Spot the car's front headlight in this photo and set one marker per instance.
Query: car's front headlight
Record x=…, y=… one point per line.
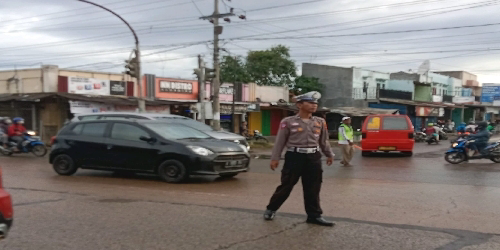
x=200, y=150
x=454, y=145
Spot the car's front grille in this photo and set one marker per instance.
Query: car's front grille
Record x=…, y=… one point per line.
x=225, y=158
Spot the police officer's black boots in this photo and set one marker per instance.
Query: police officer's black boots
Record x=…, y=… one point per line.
x=320, y=221
x=269, y=214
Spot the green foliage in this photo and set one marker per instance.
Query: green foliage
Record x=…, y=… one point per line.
x=233, y=70
x=304, y=84
x=272, y=67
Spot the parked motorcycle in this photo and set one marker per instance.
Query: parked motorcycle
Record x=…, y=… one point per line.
x=443, y=135
x=31, y=144
x=420, y=136
x=460, y=152
x=257, y=136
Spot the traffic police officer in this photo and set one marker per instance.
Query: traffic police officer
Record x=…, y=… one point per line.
x=303, y=135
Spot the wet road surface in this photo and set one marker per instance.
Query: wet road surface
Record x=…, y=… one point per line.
x=382, y=202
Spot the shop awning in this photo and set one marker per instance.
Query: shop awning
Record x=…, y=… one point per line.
x=424, y=104
x=361, y=112
x=117, y=100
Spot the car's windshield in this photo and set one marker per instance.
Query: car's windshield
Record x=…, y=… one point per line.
x=186, y=121
x=176, y=131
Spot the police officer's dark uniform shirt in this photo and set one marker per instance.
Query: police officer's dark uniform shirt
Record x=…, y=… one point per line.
x=294, y=132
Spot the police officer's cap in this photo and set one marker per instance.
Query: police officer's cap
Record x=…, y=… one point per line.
x=312, y=96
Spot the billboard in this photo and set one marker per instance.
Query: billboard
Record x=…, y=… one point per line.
x=490, y=91
x=88, y=86
x=117, y=88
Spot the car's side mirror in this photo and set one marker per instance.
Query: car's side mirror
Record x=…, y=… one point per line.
x=147, y=139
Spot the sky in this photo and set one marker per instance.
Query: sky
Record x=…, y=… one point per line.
x=382, y=35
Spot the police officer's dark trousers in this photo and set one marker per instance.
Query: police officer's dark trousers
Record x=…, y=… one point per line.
x=297, y=165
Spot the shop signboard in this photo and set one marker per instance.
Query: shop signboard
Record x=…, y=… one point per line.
x=496, y=101
x=226, y=90
x=117, y=88
x=429, y=111
x=464, y=99
x=88, y=86
x=78, y=107
x=490, y=91
x=176, y=87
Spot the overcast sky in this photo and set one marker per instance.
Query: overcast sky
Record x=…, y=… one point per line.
x=78, y=35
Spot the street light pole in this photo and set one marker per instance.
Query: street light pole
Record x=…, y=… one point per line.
x=141, y=102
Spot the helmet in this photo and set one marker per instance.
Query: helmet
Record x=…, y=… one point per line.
x=18, y=120
x=482, y=125
x=430, y=124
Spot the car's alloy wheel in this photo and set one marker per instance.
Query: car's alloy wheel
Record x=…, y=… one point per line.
x=64, y=165
x=172, y=171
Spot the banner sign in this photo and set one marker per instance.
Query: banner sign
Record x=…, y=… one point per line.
x=88, y=86
x=464, y=99
x=117, y=88
x=176, y=87
x=490, y=91
x=78, y=107
x=429, y=111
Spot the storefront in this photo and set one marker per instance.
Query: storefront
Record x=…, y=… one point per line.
x=267, y=120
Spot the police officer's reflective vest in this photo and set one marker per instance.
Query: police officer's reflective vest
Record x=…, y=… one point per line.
x=348, y=132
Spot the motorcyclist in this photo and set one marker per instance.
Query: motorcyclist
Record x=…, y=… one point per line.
x=491, y=127
x=431, y=130
x=5, y=122
x=461, y=128
x=16, y=131
x=481, y=138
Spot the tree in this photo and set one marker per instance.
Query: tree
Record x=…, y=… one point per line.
x=304, y=84
x=233, y=70
x=272, y=67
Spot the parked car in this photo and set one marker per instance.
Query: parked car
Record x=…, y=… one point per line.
x=173, y=151
x=6, y=211
x=387, y=133
x=222, y=135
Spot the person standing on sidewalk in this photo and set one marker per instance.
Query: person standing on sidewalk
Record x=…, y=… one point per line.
x=346, y=143
x=304, y=136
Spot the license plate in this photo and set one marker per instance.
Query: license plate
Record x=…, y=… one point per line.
x=230, y=164
x=386, y=148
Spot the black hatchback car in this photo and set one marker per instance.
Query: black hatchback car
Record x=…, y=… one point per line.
x=172, y=151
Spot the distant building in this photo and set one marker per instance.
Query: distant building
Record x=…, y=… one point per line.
x=346, y=87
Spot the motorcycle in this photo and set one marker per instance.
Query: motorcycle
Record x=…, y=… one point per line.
x=257, y=136
x=432, y=139
x=30, y=144
x=420, y=136
x=460, y=152
x=443, y=135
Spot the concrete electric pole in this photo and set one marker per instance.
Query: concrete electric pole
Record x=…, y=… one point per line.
x=200, y=73
x=214, y=18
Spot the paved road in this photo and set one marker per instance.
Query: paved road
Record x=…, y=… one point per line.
x=383, y=202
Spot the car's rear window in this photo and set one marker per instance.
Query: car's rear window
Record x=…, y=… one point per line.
x=373, y=123
x=395, y=123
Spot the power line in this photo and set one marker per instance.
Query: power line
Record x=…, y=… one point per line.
x=372, y=33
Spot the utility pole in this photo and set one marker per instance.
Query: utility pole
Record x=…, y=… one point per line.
x=136, y=61
x=214, y=18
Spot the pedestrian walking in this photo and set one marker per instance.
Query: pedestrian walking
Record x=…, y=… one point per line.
x=346, y=141
x=303, y=135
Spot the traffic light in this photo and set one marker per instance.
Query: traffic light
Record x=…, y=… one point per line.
x=209, y=74
x=132, y=66
x=198, y=73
